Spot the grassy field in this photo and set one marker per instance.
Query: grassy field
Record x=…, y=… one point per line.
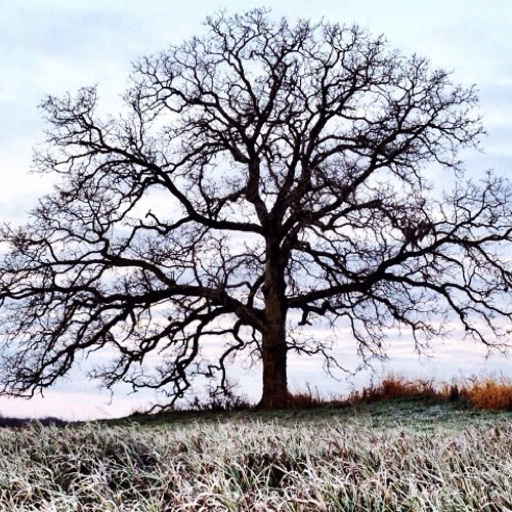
x=397, y=455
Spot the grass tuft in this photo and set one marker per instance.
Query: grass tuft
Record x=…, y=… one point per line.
x=488, y=393
x=395, y=387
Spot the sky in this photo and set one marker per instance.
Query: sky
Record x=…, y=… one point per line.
x=56, y=46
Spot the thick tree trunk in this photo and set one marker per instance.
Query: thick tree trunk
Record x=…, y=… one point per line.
x=274, y=350
x=275, y=376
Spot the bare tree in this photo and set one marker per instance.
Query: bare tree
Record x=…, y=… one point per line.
x=261, y=178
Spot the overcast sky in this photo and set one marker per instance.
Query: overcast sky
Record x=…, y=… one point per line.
x=55, y=46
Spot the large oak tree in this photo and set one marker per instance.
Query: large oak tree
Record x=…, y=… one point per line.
x=261, y=178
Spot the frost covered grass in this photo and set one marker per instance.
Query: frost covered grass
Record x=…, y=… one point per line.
x=394, y=456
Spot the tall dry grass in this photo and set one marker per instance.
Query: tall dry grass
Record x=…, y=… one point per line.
x=484, y=392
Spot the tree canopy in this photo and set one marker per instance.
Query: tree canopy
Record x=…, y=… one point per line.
x=261, y=178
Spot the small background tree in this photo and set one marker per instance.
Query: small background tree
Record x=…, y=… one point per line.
x=262, y=178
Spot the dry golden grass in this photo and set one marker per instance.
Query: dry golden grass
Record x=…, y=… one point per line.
x=486, y=392
x=393, y=387
x=489, y=393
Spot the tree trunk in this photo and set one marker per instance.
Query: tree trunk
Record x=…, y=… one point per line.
x=275, y=376
x=274, y=350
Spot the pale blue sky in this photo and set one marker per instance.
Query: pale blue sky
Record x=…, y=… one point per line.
x=54, y=46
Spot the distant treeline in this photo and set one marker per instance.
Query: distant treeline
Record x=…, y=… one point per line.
x=25, y=422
